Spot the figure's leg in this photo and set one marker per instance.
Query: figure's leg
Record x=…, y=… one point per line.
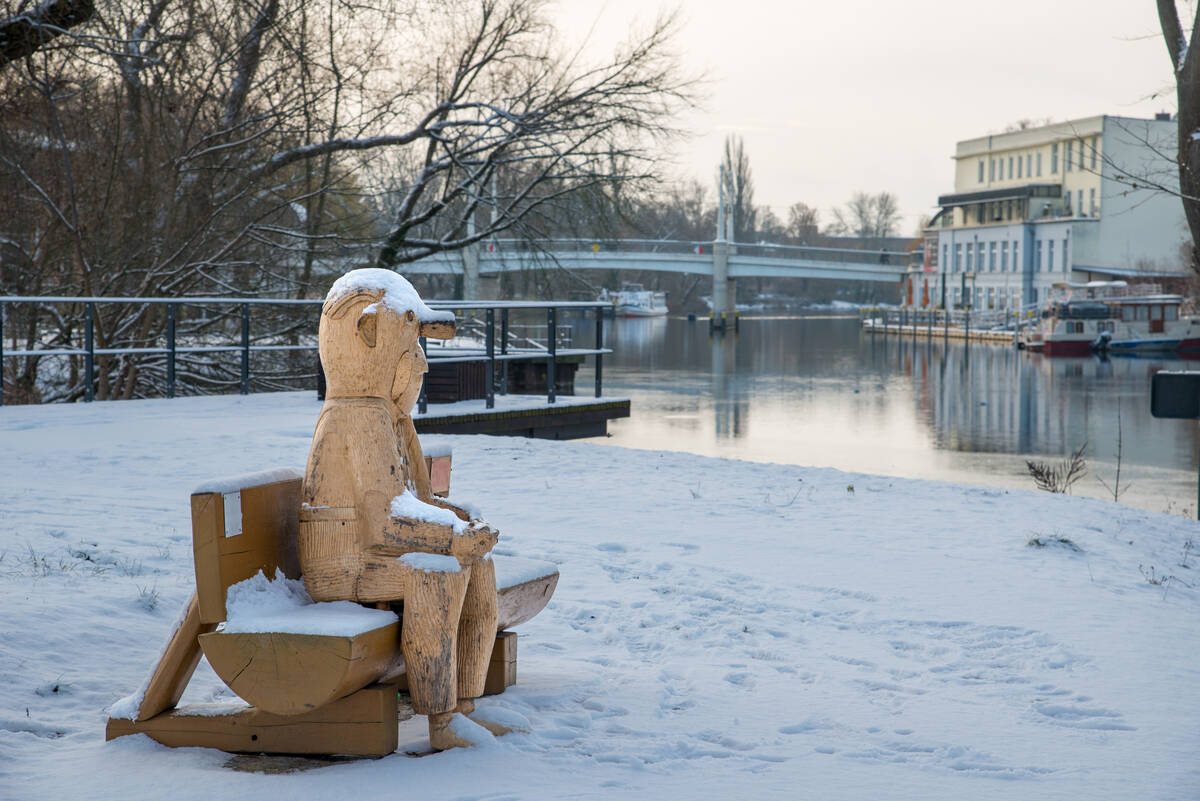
x=432, y=604
x=476, y=639
x=477, y=630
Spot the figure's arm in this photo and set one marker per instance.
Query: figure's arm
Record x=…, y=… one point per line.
x=379, y=480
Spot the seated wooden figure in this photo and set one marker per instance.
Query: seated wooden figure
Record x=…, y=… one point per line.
x=370, y=528
x=360, y=524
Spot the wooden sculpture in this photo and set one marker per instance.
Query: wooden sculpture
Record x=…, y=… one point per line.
x=370, y=527
x=408, y=576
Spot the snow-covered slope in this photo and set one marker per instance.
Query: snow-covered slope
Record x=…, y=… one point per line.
x=722, y=629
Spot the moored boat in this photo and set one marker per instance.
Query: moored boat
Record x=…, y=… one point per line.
x=633, y=300
x=1112, y=317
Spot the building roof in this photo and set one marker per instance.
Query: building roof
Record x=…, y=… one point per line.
x=1041, y=135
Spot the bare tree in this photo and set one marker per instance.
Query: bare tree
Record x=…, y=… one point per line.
x=739, y=187
x=1185, y=63
x=887, y=214
x=803, y=223
x=28, y=27
x=867, y=216
x=195, y=147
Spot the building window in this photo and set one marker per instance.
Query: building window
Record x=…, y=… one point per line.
x=1003, y=257
x=1039, y=164
x=1016, y=264
x=1010, y=168
x=1091, y=202
x=945, y=257
x=1068, y=160
x=1095, y=150
x=1050, y=256
x=981, y=171
x=1020, y=164
x=957, y=257
x=1066, y=264
x=991, y=169
x=992, y=257
x=1029, y=165
x=1054, y=158
x=1079, y=203
x=1037, y=257
x=970, y=252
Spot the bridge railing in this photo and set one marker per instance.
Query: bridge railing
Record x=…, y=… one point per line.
x=186, y=337
x=583, y=246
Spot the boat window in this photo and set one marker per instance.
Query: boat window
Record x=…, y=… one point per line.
x=1143, y=313
x=1171, y=312
x=1127, y=314
x=1156, y=312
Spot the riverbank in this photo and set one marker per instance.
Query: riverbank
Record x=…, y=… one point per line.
x=722, y=628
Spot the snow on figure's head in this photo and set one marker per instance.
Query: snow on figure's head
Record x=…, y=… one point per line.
x=371, y=322
x=394, y=292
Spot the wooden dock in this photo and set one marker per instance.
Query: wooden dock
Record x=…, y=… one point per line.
x=919, y=331
x=570, y=417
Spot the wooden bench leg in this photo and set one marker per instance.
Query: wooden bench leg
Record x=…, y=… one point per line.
x=502, y=669
x=361, y=724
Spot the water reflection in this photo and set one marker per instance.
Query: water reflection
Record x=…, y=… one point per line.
x=817, y=391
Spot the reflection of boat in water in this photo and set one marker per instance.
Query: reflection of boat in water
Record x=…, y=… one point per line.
x=633, y=300
x=1112, y=317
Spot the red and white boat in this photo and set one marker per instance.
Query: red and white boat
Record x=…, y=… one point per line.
x=1112, y=317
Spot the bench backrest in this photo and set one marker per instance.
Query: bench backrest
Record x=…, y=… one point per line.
x=240, y=526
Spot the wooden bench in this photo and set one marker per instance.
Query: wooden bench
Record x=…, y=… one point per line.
x=306, y=693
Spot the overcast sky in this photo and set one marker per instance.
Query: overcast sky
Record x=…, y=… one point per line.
x=836, y=97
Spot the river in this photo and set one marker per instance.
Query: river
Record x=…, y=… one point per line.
x=816, y=390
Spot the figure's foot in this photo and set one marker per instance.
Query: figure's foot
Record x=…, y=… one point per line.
x=498, y=720
x=452, y=730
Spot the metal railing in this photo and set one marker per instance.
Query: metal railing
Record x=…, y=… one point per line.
x=169, y=346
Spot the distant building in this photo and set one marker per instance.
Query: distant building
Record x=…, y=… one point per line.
x=1067, y=201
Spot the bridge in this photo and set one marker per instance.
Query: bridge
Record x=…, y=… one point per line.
x=725, y=261
x=696, y=258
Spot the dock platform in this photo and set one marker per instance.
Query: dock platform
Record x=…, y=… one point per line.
x=937, y=331
x=569, y=417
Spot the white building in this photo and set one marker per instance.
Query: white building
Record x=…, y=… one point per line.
x=1067, y=201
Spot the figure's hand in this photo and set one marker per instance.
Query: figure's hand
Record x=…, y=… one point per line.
x=475, y=541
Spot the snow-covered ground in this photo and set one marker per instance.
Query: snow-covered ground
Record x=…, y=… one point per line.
x=722, y=629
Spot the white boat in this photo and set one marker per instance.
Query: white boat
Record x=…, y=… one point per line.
x=1112, y=317
x=633, y=300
